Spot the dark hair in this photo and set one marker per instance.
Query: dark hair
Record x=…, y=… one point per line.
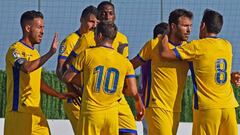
x=88, y=11
x=161, y=28
x=29, y=16
x=213, y=21
x=102, y=4
x=107, y=29
x=177, y=13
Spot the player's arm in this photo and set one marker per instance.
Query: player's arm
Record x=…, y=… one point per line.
x=131, y=90
x=144, y=55
x=235, y=78
x=70, y=77
x=80, y=46
x=165, y=51
x=68, y=62
x=59, y=68
x=137, y=61
x=29, y=66
x=50, y=91
x=69, y=86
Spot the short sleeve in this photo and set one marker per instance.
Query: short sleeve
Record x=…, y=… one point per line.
x=186, y=51
x=78, y=62
x=130, y=71
x=16, y=57
x=66, y=48
x=123, y=46
x=81, y=45
x=145, y=53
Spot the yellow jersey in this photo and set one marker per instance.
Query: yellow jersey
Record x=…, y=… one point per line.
x=211, y=68
x=68, y=44
x=104, y=72
x=166, y=78
x=23, y=89
x=120, y=43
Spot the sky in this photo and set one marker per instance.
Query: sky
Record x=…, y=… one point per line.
x=135, y=18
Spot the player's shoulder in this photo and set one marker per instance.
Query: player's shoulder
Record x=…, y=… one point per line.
x=120, y=35
x=19, y=46
x=72, y=35
x=88, y=38
x=88, y=35
x=225, y=41
x=155, y=40
x=120, y=56
x=72, y=38
x=152, y=42
x=212, y=39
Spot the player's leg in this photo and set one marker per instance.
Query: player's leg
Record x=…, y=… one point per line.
x=176, y=120
x=208, y=121
x=40, y=125
x=73, y=113
x=127, y=124
x=90, y=123
x=195, y=128
x=160, y=121
x=229, y=122
x=110, y=126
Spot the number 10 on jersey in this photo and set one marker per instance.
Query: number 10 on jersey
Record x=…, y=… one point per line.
x=108, y=80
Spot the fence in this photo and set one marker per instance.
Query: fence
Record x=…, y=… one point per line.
x=135, y=18
x=53, y=109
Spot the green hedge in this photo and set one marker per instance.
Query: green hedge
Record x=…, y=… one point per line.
x=52, y=107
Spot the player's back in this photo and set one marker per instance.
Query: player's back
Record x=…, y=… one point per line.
x=212, y=68
x=104, y=74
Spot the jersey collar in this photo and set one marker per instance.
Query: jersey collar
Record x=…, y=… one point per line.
x=106, y=47
x=212, y=37
x=174, y=43
x=26, y=44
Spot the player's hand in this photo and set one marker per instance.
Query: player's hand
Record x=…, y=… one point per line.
x=61, y=96
x=140, y=109
x=235, y=78
x=164, y=39
x=66, y=95
x=54, y=45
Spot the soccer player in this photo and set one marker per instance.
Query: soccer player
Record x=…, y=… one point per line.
x=23, y=66
x=160, y=29
x=106, y=11
x=166, y=79
x=211, y=56
x=104, y=72
x=88, y=22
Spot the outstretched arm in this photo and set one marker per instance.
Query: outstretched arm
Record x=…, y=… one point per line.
x=59, y=68
x=29, y=66
x=136, y=62
x=132, y=91
x=50, y=91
